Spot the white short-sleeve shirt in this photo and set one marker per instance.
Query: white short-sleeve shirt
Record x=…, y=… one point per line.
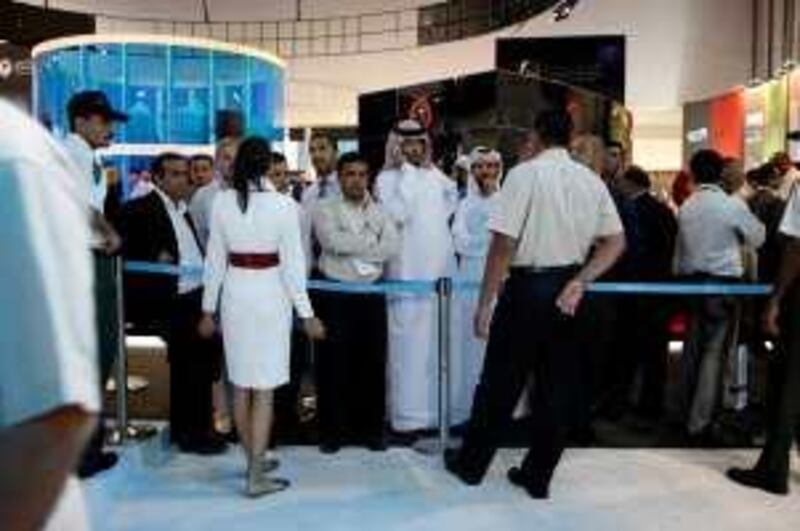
x=790, y=224
x=47, y=335
x=555, y=209
x=88, y=163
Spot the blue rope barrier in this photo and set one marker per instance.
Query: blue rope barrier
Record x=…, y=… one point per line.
x=423, y=287
x=419, y=287
x=667, y=288
x=154, y=268
x=406, y=287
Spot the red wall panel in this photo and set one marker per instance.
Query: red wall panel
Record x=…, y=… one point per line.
x=727, y=124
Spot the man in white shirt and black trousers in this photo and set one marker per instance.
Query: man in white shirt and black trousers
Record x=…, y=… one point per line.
x=781, y=319
x=555, y=229
x=91, y=121
x=49, y=396
x=158, y=228
x=356, y=238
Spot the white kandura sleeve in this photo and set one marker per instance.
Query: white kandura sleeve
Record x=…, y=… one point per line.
x=393, y=196
x=216, y=263
x=461, y=236
x=450, y=191
x=293, y=261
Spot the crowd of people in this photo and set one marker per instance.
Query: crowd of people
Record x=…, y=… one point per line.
x=571, y=211
x=373, y=357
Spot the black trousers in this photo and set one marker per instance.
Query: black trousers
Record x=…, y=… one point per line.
x=107, y=326
x=194, y=366
x=351, y=368
x=529, y=337
x=783, y=396
x=641, y=344
x=598, y=333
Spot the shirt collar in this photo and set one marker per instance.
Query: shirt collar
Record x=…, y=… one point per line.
x=267, y=185
x=554, y=153
x=329, y=179
x=80, y=141
x=711, y=187
x=362, y=207
x=177, y=208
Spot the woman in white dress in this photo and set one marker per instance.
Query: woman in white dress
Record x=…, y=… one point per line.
x=255, y=273
x=471, y=239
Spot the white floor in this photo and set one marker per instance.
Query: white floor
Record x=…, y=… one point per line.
x=356, y=490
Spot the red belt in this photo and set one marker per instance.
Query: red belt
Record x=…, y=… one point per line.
x=254, y=260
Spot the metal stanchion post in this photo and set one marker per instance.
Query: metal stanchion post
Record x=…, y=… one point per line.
x=120, y=434
x=436, y=446
x=445, y=292
x=123, y=431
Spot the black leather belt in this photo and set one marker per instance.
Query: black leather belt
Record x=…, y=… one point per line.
x=549, y=270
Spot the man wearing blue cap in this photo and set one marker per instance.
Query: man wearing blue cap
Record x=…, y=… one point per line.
x=91, y=122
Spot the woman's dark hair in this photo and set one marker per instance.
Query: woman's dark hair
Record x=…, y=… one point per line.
x=250, y=166
x=706, y=166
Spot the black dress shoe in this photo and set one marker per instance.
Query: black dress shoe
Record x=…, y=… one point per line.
x=377, y=444
x=517, y=477
x=97, y=463
x=754, y=479
x=330, y=448
x=453, y=465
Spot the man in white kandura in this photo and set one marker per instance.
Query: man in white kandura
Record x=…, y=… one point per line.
x=471, y=238
x=420, y=199
x=255, y=262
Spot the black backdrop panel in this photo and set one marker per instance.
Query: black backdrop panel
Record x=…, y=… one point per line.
x=595, y=63
x=696, y=128
x=490, y=108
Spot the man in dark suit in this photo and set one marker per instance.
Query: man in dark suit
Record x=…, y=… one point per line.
x=157, y=228
x=651, y=229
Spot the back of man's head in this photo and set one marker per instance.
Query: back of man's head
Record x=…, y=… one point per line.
x=637, y=178
x=706, y=166
x=554, y=128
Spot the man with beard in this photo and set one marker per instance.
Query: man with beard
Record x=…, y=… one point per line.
x=420, y=199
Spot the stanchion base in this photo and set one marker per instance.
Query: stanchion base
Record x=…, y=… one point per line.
x=434, y=446
x=139, y=432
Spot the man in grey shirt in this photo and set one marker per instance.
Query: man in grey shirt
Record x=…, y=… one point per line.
x=356, y=238
x=713, y=230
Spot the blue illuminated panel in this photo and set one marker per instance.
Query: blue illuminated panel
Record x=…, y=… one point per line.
x=172, y=92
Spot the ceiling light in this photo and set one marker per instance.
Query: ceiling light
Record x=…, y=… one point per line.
x=564, y=9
